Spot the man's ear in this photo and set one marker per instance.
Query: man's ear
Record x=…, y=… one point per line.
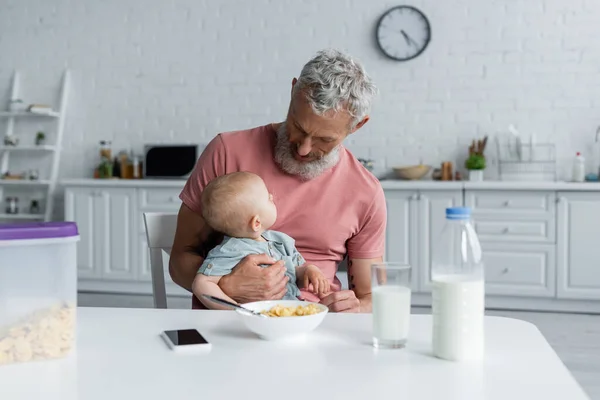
x=294, y=81
x=360, y=124
x=255, y=223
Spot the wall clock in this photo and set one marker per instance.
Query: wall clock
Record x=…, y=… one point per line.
x=403, y=33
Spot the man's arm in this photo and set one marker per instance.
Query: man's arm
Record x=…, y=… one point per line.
x=359, y=280
x=191, y=232
x=364, y=249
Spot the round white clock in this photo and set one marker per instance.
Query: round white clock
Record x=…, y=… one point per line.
x=403, y=33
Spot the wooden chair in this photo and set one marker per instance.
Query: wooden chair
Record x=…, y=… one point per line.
x=160, y=231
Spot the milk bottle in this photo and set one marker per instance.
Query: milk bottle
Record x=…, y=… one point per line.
x=458, y=293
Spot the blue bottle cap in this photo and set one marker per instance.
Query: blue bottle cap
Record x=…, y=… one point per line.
x=458, y=213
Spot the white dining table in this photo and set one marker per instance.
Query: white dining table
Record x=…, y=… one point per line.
x=120, y=355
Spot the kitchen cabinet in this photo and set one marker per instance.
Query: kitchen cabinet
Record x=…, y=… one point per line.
x=517, y=231
x=519, y=269
x=106, y=219
x=540, y=245
x=401, y=242
x=431, y=222
x=578, y=245
x=415, y=221
x=80, y=204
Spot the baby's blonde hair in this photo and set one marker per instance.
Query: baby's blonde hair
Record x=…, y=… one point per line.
x=229, y=201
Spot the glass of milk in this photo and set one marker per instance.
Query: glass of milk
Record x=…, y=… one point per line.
x=390, y=292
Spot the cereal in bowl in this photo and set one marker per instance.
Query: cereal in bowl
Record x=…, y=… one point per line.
x=297, y=311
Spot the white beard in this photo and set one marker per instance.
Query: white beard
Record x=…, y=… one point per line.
x=284, y=157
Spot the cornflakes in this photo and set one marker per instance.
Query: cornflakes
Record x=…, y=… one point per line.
x=45, y=334
x=298, y=311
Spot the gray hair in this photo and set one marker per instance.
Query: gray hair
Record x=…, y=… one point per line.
x=334, y=81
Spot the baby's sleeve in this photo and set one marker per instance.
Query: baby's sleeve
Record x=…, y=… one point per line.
x=298, y=259
x=219, y=263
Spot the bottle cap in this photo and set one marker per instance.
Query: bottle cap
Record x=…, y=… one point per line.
x=458, y=213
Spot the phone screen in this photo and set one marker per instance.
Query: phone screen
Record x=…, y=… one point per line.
x=185, y=337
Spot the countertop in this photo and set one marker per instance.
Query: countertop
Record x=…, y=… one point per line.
x=388, y=184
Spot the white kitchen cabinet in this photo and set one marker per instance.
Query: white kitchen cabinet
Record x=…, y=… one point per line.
x=519, y=269
x=431, y=221
x=401, y=242
x=578, y=245
x=538, y=253
x=502, y=202
x=513, y=216
x=80, y=204
x=106, y=220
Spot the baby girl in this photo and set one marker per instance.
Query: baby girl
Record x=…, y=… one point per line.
x=240, y=206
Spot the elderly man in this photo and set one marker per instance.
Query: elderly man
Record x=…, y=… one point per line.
x=327, y=201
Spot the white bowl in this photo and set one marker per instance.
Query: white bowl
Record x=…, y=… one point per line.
x=274, y=328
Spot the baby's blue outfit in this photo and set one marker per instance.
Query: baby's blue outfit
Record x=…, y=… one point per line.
x=222, y=258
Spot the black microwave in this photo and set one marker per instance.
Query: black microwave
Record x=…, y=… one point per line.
x=174, y=161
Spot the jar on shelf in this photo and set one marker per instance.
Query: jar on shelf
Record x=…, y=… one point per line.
x=12, y=205
x=105, y=149
x=34, y=207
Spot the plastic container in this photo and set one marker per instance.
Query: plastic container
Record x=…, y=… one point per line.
x=579, y=168
x=458, y=290
x=38, y=290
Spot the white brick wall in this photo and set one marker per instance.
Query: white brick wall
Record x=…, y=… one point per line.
x=183, y=70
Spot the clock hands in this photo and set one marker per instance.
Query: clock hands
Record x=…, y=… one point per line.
x=408, y=39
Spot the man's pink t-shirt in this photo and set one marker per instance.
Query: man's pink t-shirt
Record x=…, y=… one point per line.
x=342, y=211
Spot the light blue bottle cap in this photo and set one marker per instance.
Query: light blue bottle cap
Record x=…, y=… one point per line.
x=458, y=213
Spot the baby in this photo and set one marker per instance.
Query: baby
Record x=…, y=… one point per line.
x=240, y=206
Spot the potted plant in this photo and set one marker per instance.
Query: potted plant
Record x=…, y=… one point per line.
x=476, y=162
x=40, y=137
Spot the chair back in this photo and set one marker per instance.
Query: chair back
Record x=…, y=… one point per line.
x=160, y=232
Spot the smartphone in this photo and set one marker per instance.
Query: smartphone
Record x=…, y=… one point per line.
x=185, y=340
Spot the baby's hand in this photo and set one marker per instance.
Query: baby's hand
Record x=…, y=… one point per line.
x=314, y=276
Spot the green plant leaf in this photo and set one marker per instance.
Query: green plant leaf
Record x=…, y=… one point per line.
x=475, y=162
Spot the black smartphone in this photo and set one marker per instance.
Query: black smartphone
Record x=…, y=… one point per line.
x=185, y=339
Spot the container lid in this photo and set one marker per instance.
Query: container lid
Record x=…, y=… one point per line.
x=38, y=230
x=458, y=213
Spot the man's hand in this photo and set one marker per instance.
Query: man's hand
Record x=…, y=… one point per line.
x=248, y=281
x=342, y=301
x=314, y=276
x=358, y=299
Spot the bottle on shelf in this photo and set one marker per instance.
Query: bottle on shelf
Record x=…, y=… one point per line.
x=458, y=290
x=578, y=168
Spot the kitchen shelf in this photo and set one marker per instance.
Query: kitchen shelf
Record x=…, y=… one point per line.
x=32, y=217
x=48, y=183
x=28, y=148
x=19, y=114
x=23, y=182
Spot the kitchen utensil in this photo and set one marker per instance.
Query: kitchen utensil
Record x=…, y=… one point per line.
x=412, y=172
x=275, y=328
x=519, y=144
x=234, y=306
